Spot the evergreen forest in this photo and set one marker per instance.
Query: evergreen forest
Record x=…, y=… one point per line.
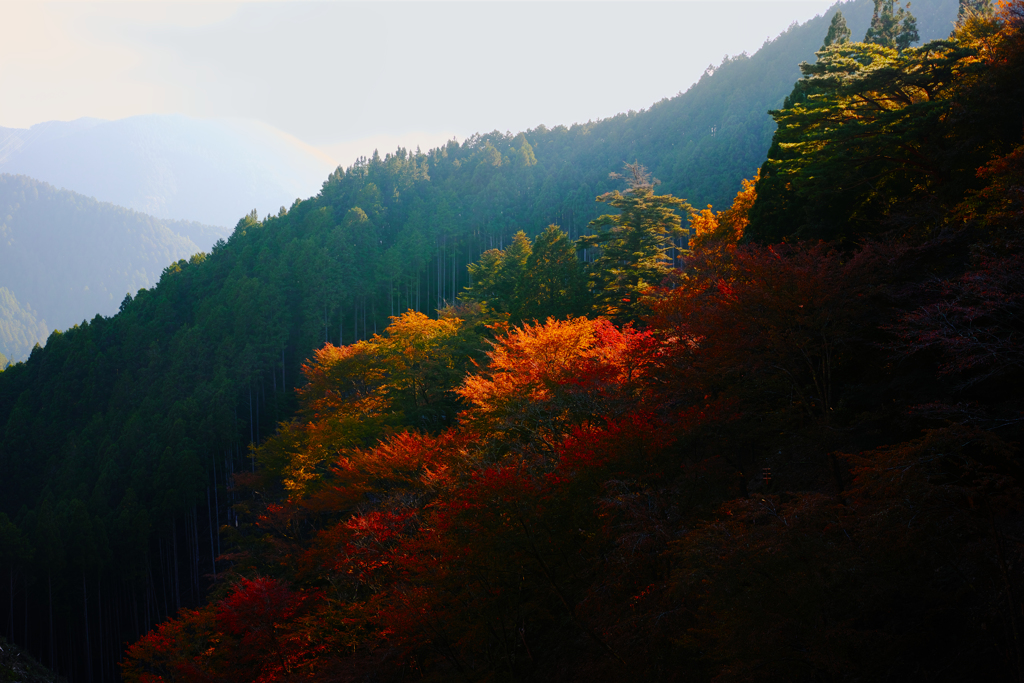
x=749, y=416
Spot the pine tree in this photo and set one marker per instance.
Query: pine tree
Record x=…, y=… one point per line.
x=838, y=31
x=554, y=284
x=634, y=244
x=892, y=26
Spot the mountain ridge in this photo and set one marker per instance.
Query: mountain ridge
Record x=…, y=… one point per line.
x=168, y=165
x=65, y=258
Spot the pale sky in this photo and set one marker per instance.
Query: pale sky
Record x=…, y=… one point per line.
x=350, y=76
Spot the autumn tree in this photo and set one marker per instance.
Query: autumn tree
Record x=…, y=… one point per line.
x=976, y=7
x=715, y=235
x=543, y=378
x=405, y=377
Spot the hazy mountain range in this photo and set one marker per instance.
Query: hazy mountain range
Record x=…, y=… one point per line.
x=170, y=166
x=65, y=257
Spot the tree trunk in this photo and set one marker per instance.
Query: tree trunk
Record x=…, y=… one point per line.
x=251, y=432
x=49, y=587
x=216, y=505
x=10, y=615
x=174, y=569
x=213, y=551
x=88, y=643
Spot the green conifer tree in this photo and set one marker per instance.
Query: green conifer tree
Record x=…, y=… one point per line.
x=554, y=284
x=838, y=31
x=634, y=244
x=892, y=26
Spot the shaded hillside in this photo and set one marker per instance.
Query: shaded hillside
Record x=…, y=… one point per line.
x=171, y=167
x=71, y=257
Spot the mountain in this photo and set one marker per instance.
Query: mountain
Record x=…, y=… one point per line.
x=66, y=258
x=121, y=432
x=20, y=329
x=170, y=166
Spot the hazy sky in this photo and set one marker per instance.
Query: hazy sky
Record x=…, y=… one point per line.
x=340, y=75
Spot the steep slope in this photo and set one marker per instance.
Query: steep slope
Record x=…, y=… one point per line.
x=70, y=257
x=803, y=466
x=120, y=435
x=169, y=166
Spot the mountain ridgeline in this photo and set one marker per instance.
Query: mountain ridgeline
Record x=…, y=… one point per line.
x=65, y=258
x=121, y=436
x=169, y=166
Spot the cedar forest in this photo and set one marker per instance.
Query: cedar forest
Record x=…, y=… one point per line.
x=776, y=441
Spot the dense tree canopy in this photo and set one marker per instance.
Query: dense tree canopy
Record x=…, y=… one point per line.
x=469, y=485
x=801, y=462
x=874, y=139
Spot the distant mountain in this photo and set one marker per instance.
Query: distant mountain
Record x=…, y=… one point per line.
x=170, y=166
x=20, y=330
x=65, y=258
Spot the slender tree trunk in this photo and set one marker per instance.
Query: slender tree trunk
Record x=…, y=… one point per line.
x=177, y=587
x=251, y=437
x=196, y=553
x=150, y=595
x=88, y=642
x=190, y=555
x=49, y=588
x=135, y=612
x=195, y=537
x=213, y=551
x=216, y=505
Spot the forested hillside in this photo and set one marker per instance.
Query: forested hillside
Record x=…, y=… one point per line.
x=173, y=167
x=783, y=461
x=125, y=439
x=67, y=258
